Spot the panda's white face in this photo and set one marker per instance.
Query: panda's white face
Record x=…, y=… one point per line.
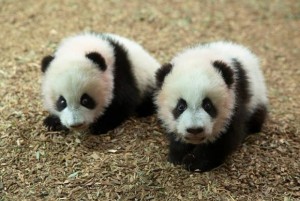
x=76, y=91
x=194, y=103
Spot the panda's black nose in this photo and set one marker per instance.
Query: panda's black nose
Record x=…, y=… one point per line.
x=195, y=131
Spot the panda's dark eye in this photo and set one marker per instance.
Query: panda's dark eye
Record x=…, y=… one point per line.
x=61, y=103
x=180, y=108
x=208, y=106
x=87, y=101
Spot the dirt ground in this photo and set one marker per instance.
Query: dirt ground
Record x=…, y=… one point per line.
x=130, y=163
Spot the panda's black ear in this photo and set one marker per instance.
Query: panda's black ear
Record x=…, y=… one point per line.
x=45, y=62
x=161, y=74
x=97, y=59
x=225, y=70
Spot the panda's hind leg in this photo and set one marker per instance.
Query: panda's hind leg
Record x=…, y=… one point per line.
x=257, y=119
x=147, y=107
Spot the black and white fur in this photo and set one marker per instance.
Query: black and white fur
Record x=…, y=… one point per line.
x=97, y=81
x=210, y=98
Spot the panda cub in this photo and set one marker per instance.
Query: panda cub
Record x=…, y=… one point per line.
x=209, y=98
x=96, y=81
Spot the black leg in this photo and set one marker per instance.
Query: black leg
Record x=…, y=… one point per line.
x=114, y=116
x=105, y=124
x=52, y=123
x=257, y=119
x=203, y=158
x=147, y=107
x=178, y=150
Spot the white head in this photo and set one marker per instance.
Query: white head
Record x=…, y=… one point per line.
x=195, y=98
x=76, y=87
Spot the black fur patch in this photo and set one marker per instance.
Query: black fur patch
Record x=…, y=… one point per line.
x=178, y=150
x=257, y=119
x=45, y=62
x=226, y=72
x=61, y=104
x=97, y=59
x=209, y=107
x=180, y=108
x=242, y=86
x=126, y=96
x=52, y=123
x=87, y=101
x=147, y=106
x=161, y=74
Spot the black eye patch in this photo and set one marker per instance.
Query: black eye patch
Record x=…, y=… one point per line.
x=61, y=103
x=208, y=106
x=180, y=108
x=87, y=101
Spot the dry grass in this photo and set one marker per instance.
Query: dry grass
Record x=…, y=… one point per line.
x=130, y=162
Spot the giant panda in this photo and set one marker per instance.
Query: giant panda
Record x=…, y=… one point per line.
x=96, y=81
x=209, y=98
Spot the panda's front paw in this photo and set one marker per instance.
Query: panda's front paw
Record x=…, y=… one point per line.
x=52, y=123
x=192, y=163
x=189, y=162
x=174, y=160
x=96, y=129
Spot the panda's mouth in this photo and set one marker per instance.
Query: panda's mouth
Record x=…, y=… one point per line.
x=80, y=126
x=194, y=139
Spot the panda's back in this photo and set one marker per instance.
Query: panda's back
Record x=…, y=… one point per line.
x=144, y=65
